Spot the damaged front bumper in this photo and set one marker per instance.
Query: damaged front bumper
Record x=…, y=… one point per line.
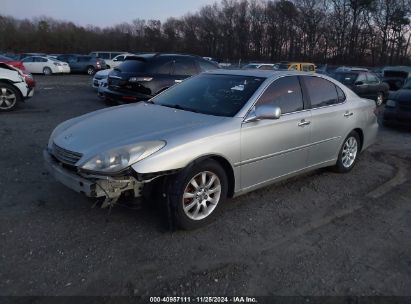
x=110, y=188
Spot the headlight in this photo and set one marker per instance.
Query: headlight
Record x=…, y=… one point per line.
x=120, y=158
x=391, y=103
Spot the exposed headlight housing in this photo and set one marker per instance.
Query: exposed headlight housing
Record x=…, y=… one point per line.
x=118, y=159
x=391, y=103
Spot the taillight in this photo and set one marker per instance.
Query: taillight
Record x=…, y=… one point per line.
x=56, y=64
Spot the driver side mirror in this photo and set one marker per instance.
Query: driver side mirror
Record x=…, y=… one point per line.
x=359, y=83
x=264, y=111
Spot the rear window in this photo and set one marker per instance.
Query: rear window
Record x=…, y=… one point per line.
x=346, y=78
x=131, y=66
x=322, y=92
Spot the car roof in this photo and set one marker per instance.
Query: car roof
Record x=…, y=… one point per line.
x=259, y=73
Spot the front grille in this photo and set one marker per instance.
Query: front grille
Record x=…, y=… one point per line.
x=66, y=156
x=405, y=106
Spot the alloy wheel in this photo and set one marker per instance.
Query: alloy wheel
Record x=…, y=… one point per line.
x=7, y=99
x=349, y=152
x=201, y=195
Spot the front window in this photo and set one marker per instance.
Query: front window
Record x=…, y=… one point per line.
x=219, y=95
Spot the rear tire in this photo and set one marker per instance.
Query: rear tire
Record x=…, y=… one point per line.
x=47, y=71
x=380, y=99
x=10, y=97
x=349, y=152
x=197, y=193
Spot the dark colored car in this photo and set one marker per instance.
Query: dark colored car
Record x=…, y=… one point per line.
x=326, y=69
x=398, y=107
x=396, y=76
x=143, y=76
x=364, y=84
x=83, y=63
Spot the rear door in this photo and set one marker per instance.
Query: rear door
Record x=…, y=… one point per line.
x=275, y=148
x=331, y=119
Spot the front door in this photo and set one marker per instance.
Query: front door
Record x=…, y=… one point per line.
x=275, y=148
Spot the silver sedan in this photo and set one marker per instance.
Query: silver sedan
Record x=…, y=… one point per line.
x=216, y=135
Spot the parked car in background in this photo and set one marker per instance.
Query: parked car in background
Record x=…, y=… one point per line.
x=260, y=66
x=45, y=65
x=217, y=135
x=83, y=63
x=108, y=57
x=99, y=76
x=395, y=76
x=144, y=76
x=297, y=66
x=13, y=88
x=398, y=107
x=24, y=55
x=119, y=59
x=364, y=84
x=13, y=62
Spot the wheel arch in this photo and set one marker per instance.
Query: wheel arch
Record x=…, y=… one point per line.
x=360, y=133
x=9, y=82
x=225, y=164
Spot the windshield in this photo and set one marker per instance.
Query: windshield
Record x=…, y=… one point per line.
x=346, y=78
x=219, y=95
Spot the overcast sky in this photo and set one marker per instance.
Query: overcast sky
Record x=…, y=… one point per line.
x=100, y=12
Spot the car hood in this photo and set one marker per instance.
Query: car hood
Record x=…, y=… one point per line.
x=115, y=127
x=103, y=72
x=401, y=95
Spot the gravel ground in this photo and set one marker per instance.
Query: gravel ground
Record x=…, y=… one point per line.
x=319, y=234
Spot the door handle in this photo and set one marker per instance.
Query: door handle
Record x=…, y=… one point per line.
x=304, y=123
x=348, y=114
x=178, y=81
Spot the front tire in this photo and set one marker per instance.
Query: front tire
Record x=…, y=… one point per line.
x=9, y=97
x=47, y=71
x=91, y=70
x=197, y=193
x=348, y=153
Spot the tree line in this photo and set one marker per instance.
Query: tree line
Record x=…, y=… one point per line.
x=357, y=32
